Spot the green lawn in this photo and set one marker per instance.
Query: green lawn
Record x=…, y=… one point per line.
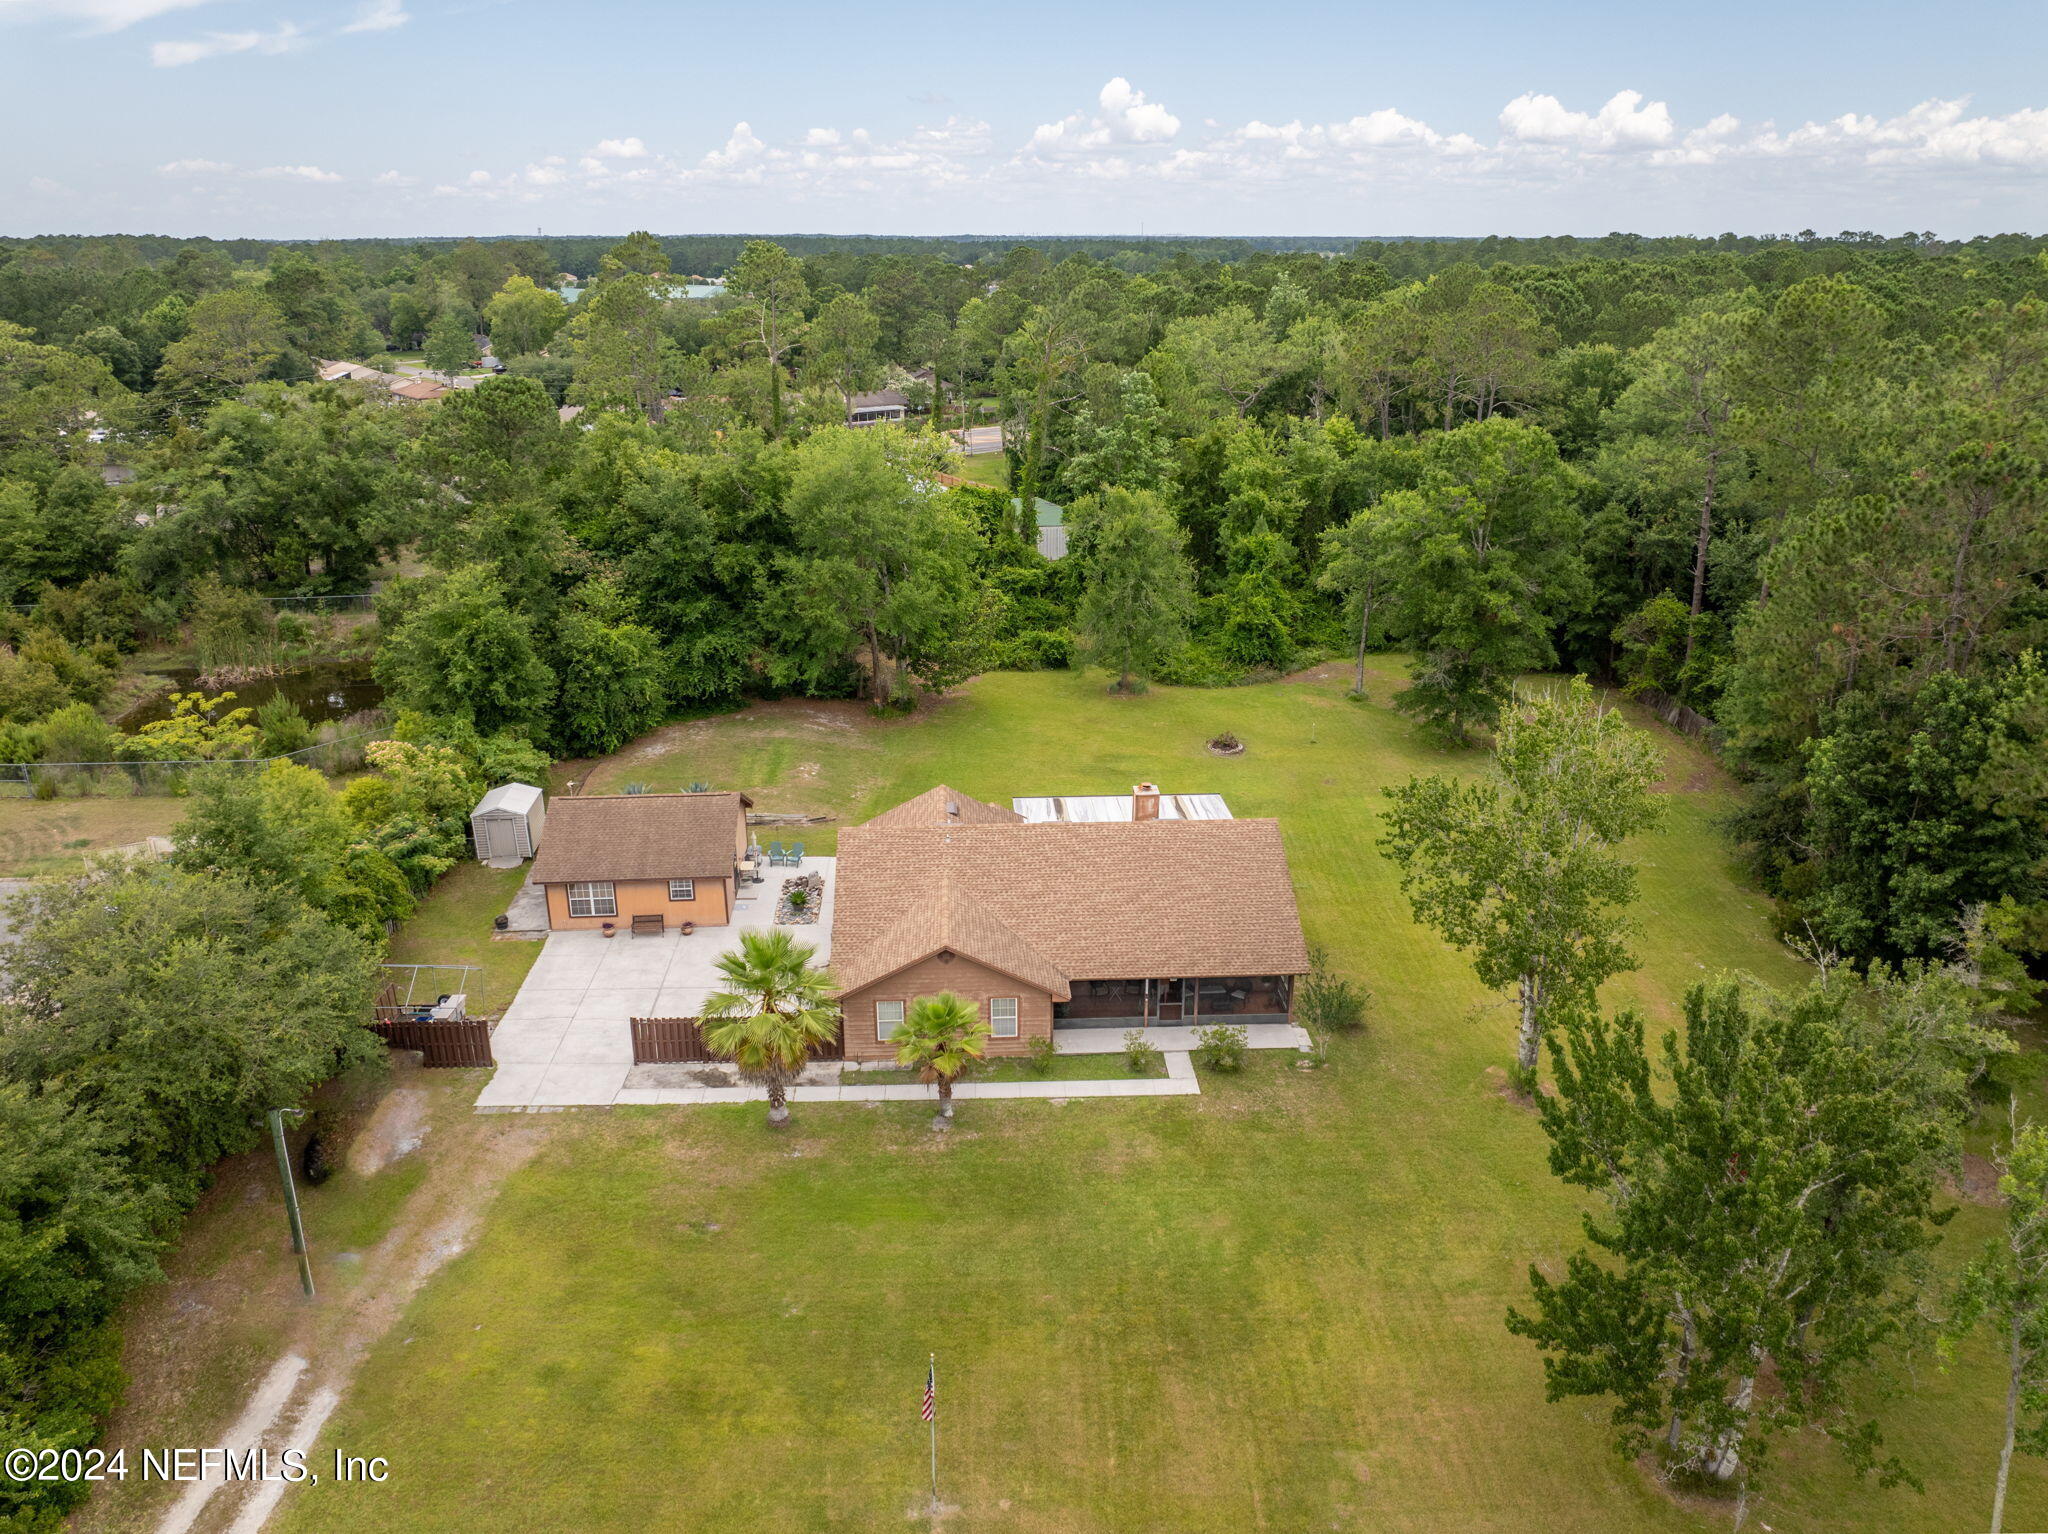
x=453, y=926
x=1061, y=1068
x=1276, y=1306
x=990, y=469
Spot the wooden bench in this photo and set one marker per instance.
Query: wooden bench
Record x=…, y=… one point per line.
x=654, y=923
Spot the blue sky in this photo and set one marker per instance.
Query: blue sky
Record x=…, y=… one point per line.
x=265, y=117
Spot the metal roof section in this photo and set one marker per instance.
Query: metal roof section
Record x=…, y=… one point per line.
x=1112, y=807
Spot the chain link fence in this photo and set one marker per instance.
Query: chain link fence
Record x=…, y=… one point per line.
x=51, y=780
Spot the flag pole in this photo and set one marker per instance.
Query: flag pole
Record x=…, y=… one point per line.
x=935, y=1427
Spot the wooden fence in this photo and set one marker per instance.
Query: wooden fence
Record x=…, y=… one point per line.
x=441, y=1041
x=680, y=1041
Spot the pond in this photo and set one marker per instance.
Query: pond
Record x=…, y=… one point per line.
x=330, y=691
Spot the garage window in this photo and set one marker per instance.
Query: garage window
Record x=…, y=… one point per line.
x=682, y=889
x=594, y=899
x=888, y=1018
x=1002, y=1017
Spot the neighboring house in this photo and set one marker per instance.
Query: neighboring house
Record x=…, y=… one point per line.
x=1051, y=522
x=612, y=857
x=419, y=389
x=882, y=405
x=356, y=372
x=1104, y=922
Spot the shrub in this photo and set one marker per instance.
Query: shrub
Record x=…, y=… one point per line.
x=1043, y=1050
x=1328, y=1000
x=1141, y=1055
x=1035, y=650
x=283, y=729
x=1222, y=1047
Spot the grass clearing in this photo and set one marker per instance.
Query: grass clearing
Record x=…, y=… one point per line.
x=1275, y=1306
x=991, y=470
x=56, y=836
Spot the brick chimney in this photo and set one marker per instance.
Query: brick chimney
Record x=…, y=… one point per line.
x=1145, y=801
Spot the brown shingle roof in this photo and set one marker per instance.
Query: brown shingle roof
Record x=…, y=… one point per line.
x=949, y=920
x=639, y=836
x=419, y=388
x=1101, y=901
x=942, y=806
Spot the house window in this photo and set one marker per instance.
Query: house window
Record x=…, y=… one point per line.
x=597, y=899
x=1002, y=1017
x=888, y=1018
x=682, y=889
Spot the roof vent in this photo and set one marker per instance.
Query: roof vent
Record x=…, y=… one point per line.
x=953, y=808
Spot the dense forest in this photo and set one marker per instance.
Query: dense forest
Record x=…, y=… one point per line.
x=1795, y=487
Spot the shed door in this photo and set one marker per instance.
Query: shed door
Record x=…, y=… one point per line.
x=487, y=838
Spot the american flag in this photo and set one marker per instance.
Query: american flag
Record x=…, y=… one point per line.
x=931, y=1391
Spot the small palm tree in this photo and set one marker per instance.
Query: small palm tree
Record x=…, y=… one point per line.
x=776, y=1010
x=941, y=1036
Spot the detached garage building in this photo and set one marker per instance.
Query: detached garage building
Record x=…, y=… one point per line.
x=672, y=857
x=505, y=825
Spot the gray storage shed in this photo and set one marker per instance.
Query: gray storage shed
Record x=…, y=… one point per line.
x=506, y=823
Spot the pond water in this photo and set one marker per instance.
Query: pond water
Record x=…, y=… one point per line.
x=322, y=693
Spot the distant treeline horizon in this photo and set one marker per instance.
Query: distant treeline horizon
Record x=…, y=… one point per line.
x=711, y=255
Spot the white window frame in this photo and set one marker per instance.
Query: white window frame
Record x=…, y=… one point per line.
x=886, y=1026
x=687, y=886
x=586, y=894
x=996, y=1030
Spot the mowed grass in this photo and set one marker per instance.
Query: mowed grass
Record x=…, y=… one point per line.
x=1277, y=1306
x=453, y=926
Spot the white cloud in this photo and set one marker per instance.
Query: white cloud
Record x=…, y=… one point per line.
x=43, y=186
x=297, y=173
x=1126, y=155
x=1122, y=116
x=1624, y=123
x=379, y=16
x=102, y=15
x=214, y=44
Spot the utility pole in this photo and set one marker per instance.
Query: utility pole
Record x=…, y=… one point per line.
x=291, y=1194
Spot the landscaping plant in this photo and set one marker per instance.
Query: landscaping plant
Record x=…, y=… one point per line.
x=1222, y=1047
x=942, y=1037
x=776, y=1009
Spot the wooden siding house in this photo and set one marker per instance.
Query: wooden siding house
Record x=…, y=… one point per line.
x=611, y=857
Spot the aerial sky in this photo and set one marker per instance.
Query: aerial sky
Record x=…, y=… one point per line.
x=437, y=117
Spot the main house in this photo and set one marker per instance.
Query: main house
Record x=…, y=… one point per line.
x=1108, y=911
x=608, y=858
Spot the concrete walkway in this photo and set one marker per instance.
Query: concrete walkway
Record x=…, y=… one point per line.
x=560, y=1087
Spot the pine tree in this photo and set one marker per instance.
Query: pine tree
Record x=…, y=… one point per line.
x=1138, y=592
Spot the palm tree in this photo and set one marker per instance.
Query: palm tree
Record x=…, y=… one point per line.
x=942, y=1036
x=776, y=1010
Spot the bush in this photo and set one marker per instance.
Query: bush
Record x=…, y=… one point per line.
x=1328, y=1000
x=1035, y=650
x=282, y=728
x=1141, y=1055
x=1222, y=1047
x=1043, y=1050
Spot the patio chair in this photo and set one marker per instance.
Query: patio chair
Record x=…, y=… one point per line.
x=774, y=854
x=796, y=855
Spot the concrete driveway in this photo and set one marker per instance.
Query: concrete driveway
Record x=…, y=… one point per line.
x=566, y=1040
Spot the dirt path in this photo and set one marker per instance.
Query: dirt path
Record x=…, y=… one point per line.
x=226, y=1354
x=331, y=1340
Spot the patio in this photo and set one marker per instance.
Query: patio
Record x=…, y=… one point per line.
x=566, y=1041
